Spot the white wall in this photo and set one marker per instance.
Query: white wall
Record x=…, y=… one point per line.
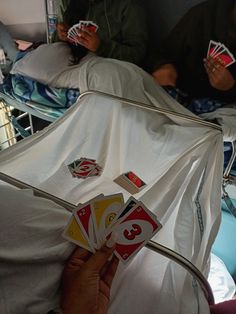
x=25, y=19
x=22, y=11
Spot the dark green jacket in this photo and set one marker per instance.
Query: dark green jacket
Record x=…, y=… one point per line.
x=122, y=29
x=187, y=45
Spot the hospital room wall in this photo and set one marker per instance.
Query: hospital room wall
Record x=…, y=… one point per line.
x=25, y=19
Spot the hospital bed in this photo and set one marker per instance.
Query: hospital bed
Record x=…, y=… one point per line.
x=30, y=108
x=101, y=100
x=152, y=245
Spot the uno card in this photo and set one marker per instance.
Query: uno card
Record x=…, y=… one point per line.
x=134, y=179
x=130, y=182
x=134, y=230
x=104, y=212
x=92, y=27
x=85, y=168
x=225, y=56
x=218, y=49
x=73, y=165
x=83, y=216
x=127, y=207
x=211, y=47
x=73, y=233
x=131, y=202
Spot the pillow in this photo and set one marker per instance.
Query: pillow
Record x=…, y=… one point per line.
x=44, y=63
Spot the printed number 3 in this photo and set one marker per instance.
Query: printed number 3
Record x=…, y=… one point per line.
x=131, y=234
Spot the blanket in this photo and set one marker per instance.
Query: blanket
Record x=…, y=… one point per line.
x=49, y=100
x=180, y=160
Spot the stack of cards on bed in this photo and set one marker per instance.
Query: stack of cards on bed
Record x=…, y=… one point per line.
x=93, y=223
x=73, y=33
x=84, y=168
x=130, y=182
x=218, y=50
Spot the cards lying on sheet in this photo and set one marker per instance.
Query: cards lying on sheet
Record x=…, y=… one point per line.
x=94, y=222
x=84, y=168
x=130, y=182
x=73, y=33
x=218, y=50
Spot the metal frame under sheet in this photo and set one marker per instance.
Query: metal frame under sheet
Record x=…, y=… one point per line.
x=152, y=245
x=156, y=247
x=24, y=107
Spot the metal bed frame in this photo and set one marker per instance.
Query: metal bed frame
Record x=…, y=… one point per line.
x=152, y=245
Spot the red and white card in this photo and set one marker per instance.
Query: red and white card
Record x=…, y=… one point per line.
x=219, y=50
x=133, y=231
x=85, y=167
x=130, y=182
x=93, y=223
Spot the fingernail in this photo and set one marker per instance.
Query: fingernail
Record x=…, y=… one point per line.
x=112, y=240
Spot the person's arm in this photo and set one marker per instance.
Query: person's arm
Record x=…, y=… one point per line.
x=221, y=78
x=134, y=37
x=87, y=279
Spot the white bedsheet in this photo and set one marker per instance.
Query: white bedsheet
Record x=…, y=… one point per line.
x=180, y=161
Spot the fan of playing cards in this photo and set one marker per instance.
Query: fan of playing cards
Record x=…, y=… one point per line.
x=94, y=222
x=84, y=168
x=73, y=33
x=218, y=50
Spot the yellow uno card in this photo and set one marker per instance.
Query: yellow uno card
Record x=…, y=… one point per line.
x=73, y=233
x=104, y=211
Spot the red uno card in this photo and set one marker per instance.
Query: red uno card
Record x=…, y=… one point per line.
x=83, y=216
x=226, y=57
x=134, y=179
x=134, y=230
x=92, y=27
x=211, y=47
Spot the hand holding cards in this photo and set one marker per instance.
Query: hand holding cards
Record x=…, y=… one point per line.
x=217, y=50
x=74, y=32
x=94, y=222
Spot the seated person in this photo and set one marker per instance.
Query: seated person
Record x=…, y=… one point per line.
x=121, y=34
x=182, y=58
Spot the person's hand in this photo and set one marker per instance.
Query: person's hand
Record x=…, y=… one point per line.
x=89, y=40
x=87, y=280
x=166, y=75
x=219, y=76
x=62, y=30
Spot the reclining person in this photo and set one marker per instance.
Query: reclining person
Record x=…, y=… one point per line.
x=182, y=59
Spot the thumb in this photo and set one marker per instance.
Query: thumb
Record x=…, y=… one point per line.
x=99, y=259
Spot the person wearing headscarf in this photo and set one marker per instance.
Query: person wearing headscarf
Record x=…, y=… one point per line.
x=121, y=34
x=182, y=61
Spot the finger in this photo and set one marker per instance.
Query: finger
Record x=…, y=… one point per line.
x=99, y=259
x=77, y=258
x=111, y=271
x=84, y=34
x=212, y=67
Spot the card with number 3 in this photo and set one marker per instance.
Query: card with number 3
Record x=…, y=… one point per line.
x=133, y=231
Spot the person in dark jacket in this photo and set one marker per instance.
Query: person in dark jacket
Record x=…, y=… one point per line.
x=182, y=58
x=122, y=31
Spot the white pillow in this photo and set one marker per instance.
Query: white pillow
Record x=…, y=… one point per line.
x=44, y=63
